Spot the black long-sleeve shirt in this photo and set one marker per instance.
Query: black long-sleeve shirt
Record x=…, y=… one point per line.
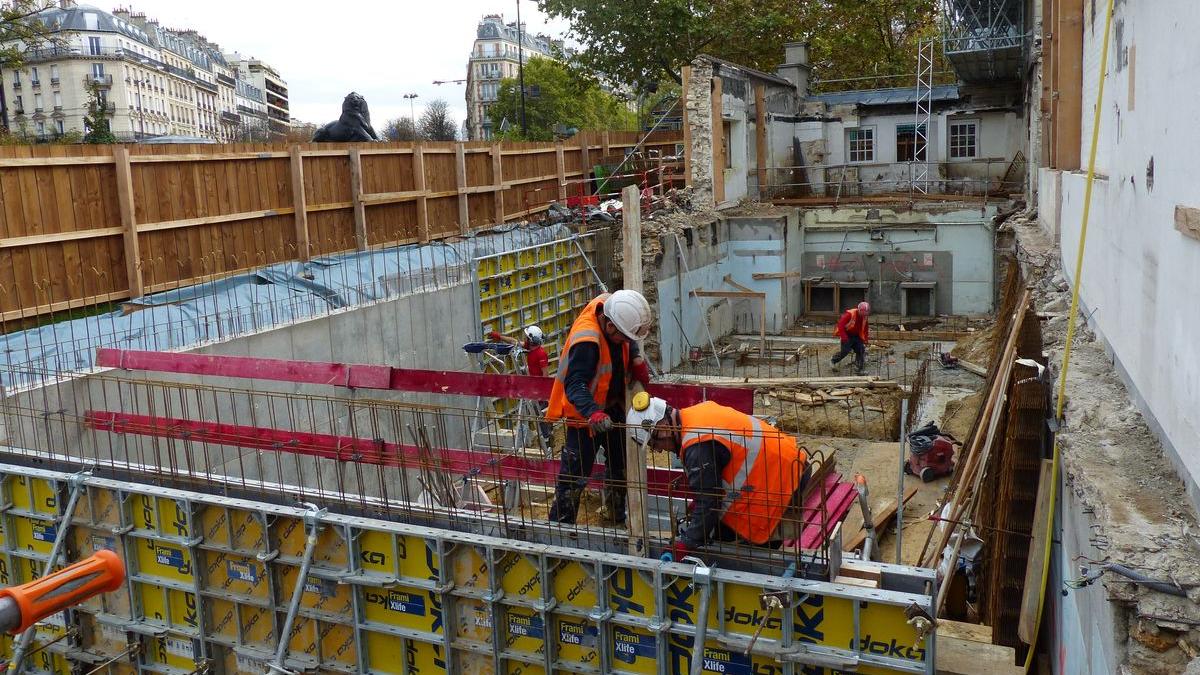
x=585, y=358
x=704, y=462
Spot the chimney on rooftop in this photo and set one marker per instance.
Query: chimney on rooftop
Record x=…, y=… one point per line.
x=795, y=68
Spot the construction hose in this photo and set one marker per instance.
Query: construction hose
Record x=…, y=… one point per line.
x=1143, y=580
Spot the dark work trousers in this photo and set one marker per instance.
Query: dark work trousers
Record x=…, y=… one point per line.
x=544, y=428
x=578, y=456
x=853, y=344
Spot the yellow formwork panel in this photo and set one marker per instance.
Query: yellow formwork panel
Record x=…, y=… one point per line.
x=320, y=595
x=33, y=495
x=176, y=652
x=519, y=576
x=392, y=655
x=167, y=607
x=235, y=575
x=235, y=530
x=32, y=535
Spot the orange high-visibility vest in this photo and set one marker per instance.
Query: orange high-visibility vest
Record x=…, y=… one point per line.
x=585, y=329
x=764, y=466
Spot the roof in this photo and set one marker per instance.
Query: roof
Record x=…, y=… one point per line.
x=893, y=96
x=756, y=74
x=92, y=19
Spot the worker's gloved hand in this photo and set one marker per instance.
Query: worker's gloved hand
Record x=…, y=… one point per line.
x=600, y=422
x=641, y=371
x=495, y=336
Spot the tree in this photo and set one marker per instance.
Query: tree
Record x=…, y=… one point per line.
x=97, y=118
x=643, y=42
x=436, y=123
x=21, y=30
x=399, y=129
x=556, y=98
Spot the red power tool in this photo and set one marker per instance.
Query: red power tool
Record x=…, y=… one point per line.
x=931, y=453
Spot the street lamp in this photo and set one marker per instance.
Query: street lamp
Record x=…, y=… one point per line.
x=412, y=113
x=521, y=70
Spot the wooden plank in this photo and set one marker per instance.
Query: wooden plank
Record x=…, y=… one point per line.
x=718, y=143
x=585, y=166
x=56, y=237
x=635, y=453
x=17, y=162
x=631, y=215
x=727, y=294
x=298, y=202
x=1187, y=220
x=418, y=159
x=356, y=197
x=200, y=157
x=133, y=262
x=375, y=198
x=959, y=656
x=560, y=161
x=686, y=76
x=759, y=276
x=1032, y=590
x=880, y=519
x=498, y=181
x=460, y=182
x=210, y=220
x=531, y=179
x=332, y=206
x=760, y=137
x=605, y=148
x=63, y=304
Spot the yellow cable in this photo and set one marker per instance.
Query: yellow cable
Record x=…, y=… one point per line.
x=1061, y=399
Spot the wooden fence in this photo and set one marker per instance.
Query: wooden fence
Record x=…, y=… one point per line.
x=82, y=225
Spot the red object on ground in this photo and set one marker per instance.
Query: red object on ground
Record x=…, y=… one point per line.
x=819, y=521
x=361, y=450
x=396, y=379
x=934, y=463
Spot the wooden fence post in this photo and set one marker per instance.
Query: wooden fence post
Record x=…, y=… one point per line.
x=585, y=165
x=418, y=157
x=686, y=76
x=460, y=182
x=498, y=182
x=562, y=172
x=760, y=137
x=635, y=453
x=298, y=202
x=133, y=258
x=604, y=145
x=356, y=197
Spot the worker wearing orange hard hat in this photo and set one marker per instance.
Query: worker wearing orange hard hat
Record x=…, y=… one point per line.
x=600, y=359
x=743, y=472
x=854, y=331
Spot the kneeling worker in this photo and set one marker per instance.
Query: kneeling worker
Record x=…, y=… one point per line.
x=600, y=358
x=744, y=472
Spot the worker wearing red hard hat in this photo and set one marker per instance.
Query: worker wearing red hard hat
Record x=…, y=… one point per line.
x=600, y=358
x=855, y=333
x=743, y=472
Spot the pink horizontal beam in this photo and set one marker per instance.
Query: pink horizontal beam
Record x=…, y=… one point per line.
x=364, y=376
x=360, y=450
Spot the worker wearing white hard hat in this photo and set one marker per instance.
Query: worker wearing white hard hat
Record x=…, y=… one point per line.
x=600, y=359
x=742, y=472
x=536, y=363
x=854, y=331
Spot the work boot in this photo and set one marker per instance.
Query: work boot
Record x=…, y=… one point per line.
x=565, y=506
x=834, y=365
x=612, y=511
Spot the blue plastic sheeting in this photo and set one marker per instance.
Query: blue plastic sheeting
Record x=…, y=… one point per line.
x=247, y=303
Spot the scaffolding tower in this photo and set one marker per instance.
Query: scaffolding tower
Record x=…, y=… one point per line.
x=983, y=40
x=924, y=114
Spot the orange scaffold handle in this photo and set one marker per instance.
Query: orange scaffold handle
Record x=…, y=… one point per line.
x=24, y=605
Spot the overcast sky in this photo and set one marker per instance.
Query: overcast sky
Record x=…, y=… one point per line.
x=381, y=49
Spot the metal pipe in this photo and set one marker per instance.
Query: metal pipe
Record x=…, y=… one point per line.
x=60, y=538
x=702, y=574
x=312, y=523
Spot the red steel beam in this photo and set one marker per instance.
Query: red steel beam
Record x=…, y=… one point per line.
x=360, y=450
x=364, y=376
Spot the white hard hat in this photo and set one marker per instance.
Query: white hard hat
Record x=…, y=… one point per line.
x=630, y=313
x=643, y=414
x=535, y=335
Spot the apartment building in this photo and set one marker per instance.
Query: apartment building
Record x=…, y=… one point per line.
x=494, y=56
x=273, y=87
x=154, y=81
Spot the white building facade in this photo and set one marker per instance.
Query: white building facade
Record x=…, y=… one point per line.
x=496, y=55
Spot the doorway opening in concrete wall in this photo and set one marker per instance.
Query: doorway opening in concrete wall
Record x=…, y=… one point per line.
x=821, y=300
x=917, y=299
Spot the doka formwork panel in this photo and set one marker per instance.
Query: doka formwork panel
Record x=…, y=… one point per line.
x=210, y=579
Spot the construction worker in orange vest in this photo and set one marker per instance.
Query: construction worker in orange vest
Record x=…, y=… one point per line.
x=600, y=359
x=743, y=472
x=855, y=334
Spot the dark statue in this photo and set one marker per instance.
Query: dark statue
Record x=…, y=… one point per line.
x=353, y=125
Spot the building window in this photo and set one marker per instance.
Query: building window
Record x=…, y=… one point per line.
x=33, y=76
x=16, y=77
x=37, y=102
x=62, y=128
x=908, y=147
x=58, y=100
x=94, y=46
x=18, y=105
x=53, y=74
x=860, y=145
x=727, y=143
x=41, y=129
x=964, y=140
x=98, y=70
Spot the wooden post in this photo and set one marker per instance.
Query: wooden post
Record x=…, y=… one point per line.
x=562, y=172
x=133, y=256
x=718, y=144
x=418, y=157
x=635, y=454
x=604, y=145
x=498, y=182
x=686, y=76
x=356, y=197
x=760, y=137
x=298, y=202
x=585, y=165
x=460, y=182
